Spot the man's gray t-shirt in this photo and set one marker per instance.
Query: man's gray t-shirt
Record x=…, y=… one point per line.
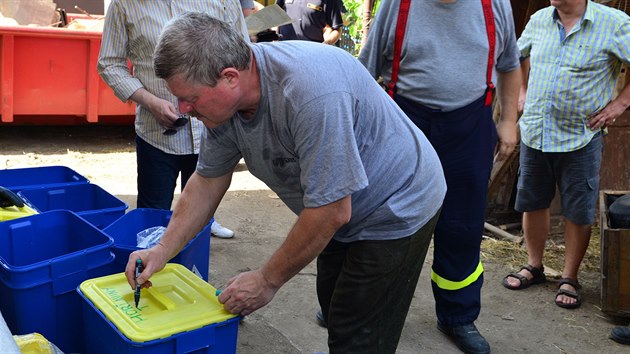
x=323, y=130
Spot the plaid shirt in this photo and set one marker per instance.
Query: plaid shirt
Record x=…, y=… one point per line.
x=131, y=31
x=572, y=76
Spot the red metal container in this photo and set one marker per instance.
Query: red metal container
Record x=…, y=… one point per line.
x=49, y=76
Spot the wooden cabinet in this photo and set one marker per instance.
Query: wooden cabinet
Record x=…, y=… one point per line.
x=615, y=261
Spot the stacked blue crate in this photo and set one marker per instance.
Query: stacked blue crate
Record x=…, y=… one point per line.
x=43, y=258
x=89, y=201
x=194, y=256
x=16, y=179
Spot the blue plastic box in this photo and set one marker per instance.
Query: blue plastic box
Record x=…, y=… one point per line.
x=194, y=256
x=104, y=338
x=179, y=314
x=89, y=201
x=43, y=258
x=33, y=177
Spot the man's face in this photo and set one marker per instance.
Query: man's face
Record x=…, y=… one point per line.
x=567, y=4
x=213, y=106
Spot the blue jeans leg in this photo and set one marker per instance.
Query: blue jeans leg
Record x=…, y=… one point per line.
x=157, y=175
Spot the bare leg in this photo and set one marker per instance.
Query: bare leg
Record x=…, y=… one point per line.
x=536, y=228
x=576, y=239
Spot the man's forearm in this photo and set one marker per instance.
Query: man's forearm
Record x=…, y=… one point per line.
x=508, y=89
x=525, y=66
x=143, y=97
x=311, y=233
x=331, y=36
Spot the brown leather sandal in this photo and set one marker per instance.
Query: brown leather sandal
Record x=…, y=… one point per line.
x=538, y=277
x=572, y=294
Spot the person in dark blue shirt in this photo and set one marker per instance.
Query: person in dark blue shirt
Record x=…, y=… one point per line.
x=313, y=20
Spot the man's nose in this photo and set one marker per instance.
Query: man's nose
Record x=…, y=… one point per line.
x=184, y=107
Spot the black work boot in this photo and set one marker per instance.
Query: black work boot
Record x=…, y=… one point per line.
x=467, y=338
x=621, y=334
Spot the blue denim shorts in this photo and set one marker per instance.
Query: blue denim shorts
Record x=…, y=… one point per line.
x=575, y=173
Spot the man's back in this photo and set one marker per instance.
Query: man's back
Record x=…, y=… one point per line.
x=312, y=141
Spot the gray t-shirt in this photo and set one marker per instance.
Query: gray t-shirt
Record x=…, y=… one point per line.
x=323, y=132
x=444, y=55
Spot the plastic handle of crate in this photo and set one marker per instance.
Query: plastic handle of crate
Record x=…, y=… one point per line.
x=206, y=338
x=68, y=282
x=161, y=298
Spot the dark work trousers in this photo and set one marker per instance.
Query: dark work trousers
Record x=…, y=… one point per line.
x=157, y=175
x=465, y=140
x=365, y=289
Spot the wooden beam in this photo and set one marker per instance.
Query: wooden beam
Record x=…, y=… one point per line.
x=503, y=234
x=500, y=170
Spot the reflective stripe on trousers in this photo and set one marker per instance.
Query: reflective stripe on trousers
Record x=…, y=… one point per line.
x=446, y=284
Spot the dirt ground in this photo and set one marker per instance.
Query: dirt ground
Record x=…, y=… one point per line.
x=513, y=322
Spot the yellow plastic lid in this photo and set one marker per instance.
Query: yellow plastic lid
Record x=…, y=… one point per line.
x=178, y=301
x=13, y=212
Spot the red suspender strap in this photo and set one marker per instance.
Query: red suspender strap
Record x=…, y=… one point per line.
x=401, y=24
x=490, y=30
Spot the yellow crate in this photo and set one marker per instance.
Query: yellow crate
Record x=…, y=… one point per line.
x=35, y=343
x=13, y=212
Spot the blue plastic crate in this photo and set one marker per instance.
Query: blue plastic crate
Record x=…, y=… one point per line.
x=17, y=179
x=103, y=337
x=89, y=201
x=43, y=258
x=194, y=256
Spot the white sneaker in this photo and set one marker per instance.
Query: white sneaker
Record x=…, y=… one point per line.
x=219, y=231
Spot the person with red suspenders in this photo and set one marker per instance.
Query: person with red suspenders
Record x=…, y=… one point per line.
x=438, y=59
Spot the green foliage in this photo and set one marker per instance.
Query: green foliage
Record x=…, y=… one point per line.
x=353, y=17
x=353, y=20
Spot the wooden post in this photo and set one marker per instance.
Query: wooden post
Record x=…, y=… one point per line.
x=368, y=6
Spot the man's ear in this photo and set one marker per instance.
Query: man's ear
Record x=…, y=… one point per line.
x=231, y=75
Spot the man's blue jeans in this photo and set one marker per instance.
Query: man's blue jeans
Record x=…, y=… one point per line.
x=157, y=175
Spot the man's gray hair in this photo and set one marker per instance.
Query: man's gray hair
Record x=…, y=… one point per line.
x=198, y=47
